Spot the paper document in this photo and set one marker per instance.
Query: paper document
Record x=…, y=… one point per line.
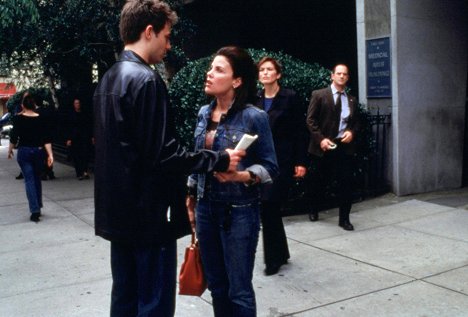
x=245, y=141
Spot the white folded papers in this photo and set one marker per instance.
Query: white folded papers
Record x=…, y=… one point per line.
x=246, y=141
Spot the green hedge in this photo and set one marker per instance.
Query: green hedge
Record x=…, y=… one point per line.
x=187, y=92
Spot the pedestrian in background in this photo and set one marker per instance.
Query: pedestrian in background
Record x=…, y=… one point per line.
x=286, y=114
x=227, y=210
x=30, y=136
x=49, y=121
x=332, y=120
x=80, y=139
x=140, y=167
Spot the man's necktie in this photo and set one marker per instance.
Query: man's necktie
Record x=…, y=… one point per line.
x=338, y=101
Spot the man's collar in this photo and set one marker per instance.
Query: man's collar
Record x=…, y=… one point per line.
x=334, y=90
x=128, y=55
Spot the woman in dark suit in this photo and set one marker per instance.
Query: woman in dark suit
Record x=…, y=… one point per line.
x=287, y=122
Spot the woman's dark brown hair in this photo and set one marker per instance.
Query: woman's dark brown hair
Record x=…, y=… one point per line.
x=28, y=101
x=243, y=67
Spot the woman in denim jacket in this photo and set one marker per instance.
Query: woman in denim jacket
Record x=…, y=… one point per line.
x=227, y=211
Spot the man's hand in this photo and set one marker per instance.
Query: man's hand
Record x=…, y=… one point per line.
x=347, y=137
x=68, y=143
x=235, y=157
x=299, y=171
x=326, y=144
x=50, y=160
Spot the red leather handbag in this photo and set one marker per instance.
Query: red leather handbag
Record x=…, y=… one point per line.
x=191, y=278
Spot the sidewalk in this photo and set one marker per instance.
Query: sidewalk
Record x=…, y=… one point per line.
x=407, y=257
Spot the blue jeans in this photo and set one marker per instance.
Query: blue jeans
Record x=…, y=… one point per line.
x=228, y=237
x=31, y=161
x=144, y=280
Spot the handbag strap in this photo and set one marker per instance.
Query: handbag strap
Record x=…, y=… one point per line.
x=193, y=238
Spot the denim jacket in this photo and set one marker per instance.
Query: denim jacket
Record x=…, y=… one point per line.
x=260, y=157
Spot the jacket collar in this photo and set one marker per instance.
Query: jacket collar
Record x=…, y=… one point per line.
x=261, y=97
x=211, y=106
x=131, y=56
x=281, y=93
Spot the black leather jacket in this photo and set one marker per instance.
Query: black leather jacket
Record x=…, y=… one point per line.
x=139, y=164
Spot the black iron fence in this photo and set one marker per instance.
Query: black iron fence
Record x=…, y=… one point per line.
x=375, y=182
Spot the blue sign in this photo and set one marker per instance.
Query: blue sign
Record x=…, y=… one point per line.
x=379, y=71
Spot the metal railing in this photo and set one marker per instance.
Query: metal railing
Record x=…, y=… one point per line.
x=376, y=181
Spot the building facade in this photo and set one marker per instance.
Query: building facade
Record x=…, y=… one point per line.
x=412, y=60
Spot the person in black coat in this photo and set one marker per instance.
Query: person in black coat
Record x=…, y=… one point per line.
x=139, y=167
x=80, y=139
x=287, y=122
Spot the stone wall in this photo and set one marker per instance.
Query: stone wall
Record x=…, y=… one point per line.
x=429, y=79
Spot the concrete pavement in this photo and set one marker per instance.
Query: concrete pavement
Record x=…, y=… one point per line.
x=407, y=257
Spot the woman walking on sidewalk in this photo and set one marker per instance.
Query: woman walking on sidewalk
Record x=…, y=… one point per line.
x=30, y=135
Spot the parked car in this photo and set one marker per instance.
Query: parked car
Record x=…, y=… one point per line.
x=5, y=125
x=5, y=132
x=5, y=119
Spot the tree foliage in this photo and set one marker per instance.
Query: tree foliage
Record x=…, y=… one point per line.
x=66, y=38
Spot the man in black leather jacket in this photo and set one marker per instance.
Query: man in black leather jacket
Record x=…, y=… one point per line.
x=140, y=166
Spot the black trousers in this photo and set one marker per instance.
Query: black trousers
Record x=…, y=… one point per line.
x=275, y=244
x=331, y=175
x=80, y=154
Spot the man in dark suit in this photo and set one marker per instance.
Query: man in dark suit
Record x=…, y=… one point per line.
x=332, y=122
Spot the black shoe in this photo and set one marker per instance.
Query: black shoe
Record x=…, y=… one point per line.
x=346, y=225
x=51, y=177
x=271, y=269
x=35, y=217
x=313, y=216
x=86, y=176
x=20, y=176
x=80, y=178
x=44, y=178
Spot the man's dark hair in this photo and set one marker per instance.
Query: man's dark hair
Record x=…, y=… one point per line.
x=276, y=64
x=341, y=64
x=244, y=67
x=138, y=14
x=28, y=101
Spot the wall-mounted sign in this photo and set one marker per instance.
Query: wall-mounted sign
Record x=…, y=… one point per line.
x=379, y=79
